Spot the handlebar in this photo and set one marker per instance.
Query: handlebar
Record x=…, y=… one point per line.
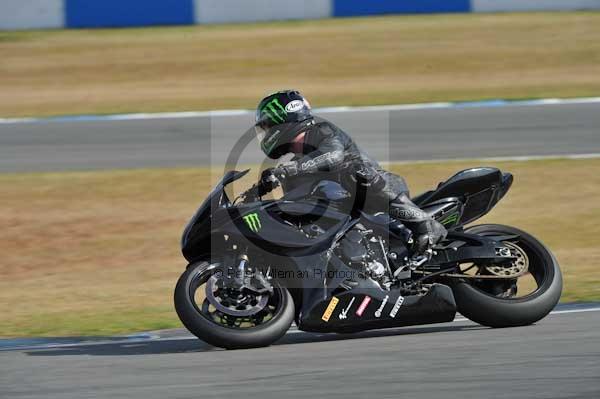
x=250, y=195
x=266, y=184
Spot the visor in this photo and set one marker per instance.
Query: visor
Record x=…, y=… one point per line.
x=261, y=132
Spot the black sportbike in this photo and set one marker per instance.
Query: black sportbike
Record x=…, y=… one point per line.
x=316, y=258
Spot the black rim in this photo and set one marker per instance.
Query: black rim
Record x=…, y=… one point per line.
x=264, y=315
x=531, y=284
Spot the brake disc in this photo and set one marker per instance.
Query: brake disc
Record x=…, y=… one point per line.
x=516, y=268
x=244, y=305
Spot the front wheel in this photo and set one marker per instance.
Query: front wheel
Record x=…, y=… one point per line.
x=511, y=302
x=227, y=318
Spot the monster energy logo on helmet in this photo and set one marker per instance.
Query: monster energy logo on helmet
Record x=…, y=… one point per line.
x=274, y=111
x=279, y=118
x=253, y=222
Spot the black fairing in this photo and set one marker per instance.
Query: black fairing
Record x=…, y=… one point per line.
x=278, y=235
x=326, y=190
x=384, y=309
x=469, y=195
x=195, y=239
x=274, y=228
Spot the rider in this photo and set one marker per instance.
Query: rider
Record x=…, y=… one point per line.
x=285, y=124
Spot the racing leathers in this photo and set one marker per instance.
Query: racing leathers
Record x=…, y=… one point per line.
x=326, y=149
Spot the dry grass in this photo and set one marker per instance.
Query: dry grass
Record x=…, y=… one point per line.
x=98, y=252
x=346, y=61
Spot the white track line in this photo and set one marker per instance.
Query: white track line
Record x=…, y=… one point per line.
x=515, y=158
x=346, y=109
x=156, y=338
x=574, y=311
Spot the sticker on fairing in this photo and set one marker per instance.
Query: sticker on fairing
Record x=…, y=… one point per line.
x=363, y=305
x=397, y=305
x=380, y=309
x=344, y=313
x=330, y=308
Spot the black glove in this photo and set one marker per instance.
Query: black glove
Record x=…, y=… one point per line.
x=369, y=178
x=268, y=182
x=285, y=170
x=271, y=178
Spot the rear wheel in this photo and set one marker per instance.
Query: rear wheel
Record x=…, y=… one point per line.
x=532, y=290
x=227, y=318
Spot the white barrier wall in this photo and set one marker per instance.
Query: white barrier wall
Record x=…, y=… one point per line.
x=37, y=14
x=220, y=11
x=535, y=5
x=31, y=14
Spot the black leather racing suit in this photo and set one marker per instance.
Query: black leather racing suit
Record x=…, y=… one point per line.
x=329, y=149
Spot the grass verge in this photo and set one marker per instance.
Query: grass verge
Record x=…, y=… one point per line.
x=376, y=60
x=98, y=252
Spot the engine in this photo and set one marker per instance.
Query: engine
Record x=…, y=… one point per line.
x=367, y=253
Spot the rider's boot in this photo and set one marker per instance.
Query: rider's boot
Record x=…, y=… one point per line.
x=427, y=231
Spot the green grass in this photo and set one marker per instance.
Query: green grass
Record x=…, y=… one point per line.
x=96, y=253
x=349, y=61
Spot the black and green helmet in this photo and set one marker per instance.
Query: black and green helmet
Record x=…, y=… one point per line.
x=280, y=117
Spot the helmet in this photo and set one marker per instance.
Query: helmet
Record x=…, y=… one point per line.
x=280, y=117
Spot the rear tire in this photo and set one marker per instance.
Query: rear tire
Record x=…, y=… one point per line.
x=491, y=311
x=228, y=337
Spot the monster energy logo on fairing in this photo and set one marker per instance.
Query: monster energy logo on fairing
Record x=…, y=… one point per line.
x=450, y=219
x=253, y=222
x=275, y=111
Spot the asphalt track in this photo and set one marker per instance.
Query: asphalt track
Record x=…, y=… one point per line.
x=557, y=358
x=389, y=135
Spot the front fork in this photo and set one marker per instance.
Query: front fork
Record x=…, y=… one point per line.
x=240, y=276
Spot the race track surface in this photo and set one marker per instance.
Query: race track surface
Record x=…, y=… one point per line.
x=418, y=134
x=557, y=358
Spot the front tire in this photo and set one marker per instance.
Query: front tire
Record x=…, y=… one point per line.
x=228, y=337
x=486, y=308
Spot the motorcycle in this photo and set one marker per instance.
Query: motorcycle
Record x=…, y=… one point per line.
x=316, y=257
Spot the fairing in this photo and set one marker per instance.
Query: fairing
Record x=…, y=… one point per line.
x=198, y=228
x=217, y=218
x=321, y=303
x=466, y=196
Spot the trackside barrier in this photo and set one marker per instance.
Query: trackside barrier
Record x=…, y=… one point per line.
x=39, y=14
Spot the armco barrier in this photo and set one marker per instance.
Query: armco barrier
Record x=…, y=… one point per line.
x=29, y=14
x=108, y=13
x=346, y=8
x=533, y=5
x=222, y=11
